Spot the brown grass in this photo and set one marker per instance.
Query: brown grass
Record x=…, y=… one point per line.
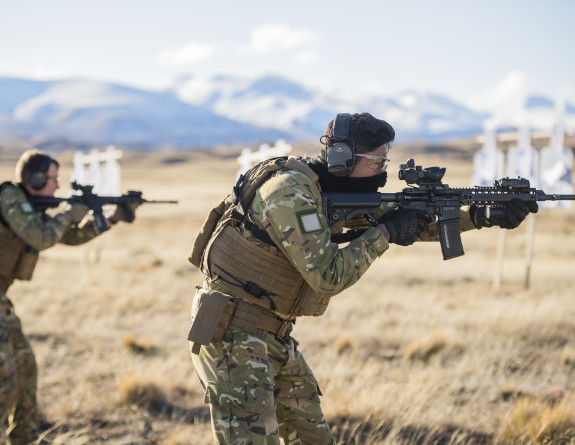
x=421, y=350
x=568, y=357
x=534, y=421
x=143, y=393
x=425, y=348
x=138, y=346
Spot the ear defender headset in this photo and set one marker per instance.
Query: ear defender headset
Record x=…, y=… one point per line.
x=39, y=179
x=340, y=153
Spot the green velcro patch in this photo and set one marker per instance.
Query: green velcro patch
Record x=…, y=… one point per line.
x=309, y=221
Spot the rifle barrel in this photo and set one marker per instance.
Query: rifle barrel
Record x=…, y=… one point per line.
x=553, y=197
x=160, y=202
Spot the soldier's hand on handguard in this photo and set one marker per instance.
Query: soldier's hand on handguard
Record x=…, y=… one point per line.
x=404, y=225
x=507, y=217
x=124, y=212
x=76, y=212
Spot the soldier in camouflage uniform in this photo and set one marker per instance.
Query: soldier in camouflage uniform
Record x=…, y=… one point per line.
x=23, y=233
x=269, y=257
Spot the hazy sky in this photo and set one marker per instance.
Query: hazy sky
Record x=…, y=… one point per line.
x=471, y=51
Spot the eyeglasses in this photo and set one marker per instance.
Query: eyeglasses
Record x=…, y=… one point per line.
x=379, y=161
x=55, y=178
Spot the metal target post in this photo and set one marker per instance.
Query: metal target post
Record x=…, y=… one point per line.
x=552, y=169
x=102, y=170
x=489, y=165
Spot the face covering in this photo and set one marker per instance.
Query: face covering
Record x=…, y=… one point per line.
x=331, y=183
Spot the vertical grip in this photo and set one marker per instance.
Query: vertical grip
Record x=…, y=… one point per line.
x=100, y=220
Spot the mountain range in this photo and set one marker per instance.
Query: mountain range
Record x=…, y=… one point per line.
x=201, y=112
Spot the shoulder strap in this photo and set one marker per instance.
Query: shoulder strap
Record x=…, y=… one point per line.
x=245, y=189
x=6, y=184
x=2, y=187
x=296, y=163
x=244, y=192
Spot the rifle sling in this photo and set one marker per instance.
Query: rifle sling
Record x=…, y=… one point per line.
x=346, y=237
x=258, y=233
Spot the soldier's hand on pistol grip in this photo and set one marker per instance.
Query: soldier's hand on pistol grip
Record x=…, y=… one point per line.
x=404, y=225
x=77, y=212
x=124, y=212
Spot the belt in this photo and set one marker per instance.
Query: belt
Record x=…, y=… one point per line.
x=257, y=320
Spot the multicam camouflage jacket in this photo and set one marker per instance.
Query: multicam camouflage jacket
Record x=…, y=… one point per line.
x=25, y=232
x=288, y=208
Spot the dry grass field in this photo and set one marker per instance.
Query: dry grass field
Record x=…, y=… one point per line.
x=420, y=351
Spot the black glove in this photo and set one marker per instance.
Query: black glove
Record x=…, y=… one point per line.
x=510, y=216
x=124, y=212
x=404, y=225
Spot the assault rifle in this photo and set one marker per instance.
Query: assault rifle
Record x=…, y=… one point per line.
x=438, y=200
x=93, y=201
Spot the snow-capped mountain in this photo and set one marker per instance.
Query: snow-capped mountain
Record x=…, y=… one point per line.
x=102, y=113
x=274, y=102
x=205, y=112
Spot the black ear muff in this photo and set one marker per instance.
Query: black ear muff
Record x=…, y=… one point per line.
x=340, y=153
x=39, y=179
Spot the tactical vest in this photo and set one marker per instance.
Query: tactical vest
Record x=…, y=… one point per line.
x=17, y=259
x=255, y=271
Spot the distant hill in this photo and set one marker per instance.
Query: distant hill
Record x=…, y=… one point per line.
x=275, y=102
x=101, y=113
x=224, y=110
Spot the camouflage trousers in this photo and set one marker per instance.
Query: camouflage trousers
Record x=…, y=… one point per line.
x=259, y=388
x=18, y=379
